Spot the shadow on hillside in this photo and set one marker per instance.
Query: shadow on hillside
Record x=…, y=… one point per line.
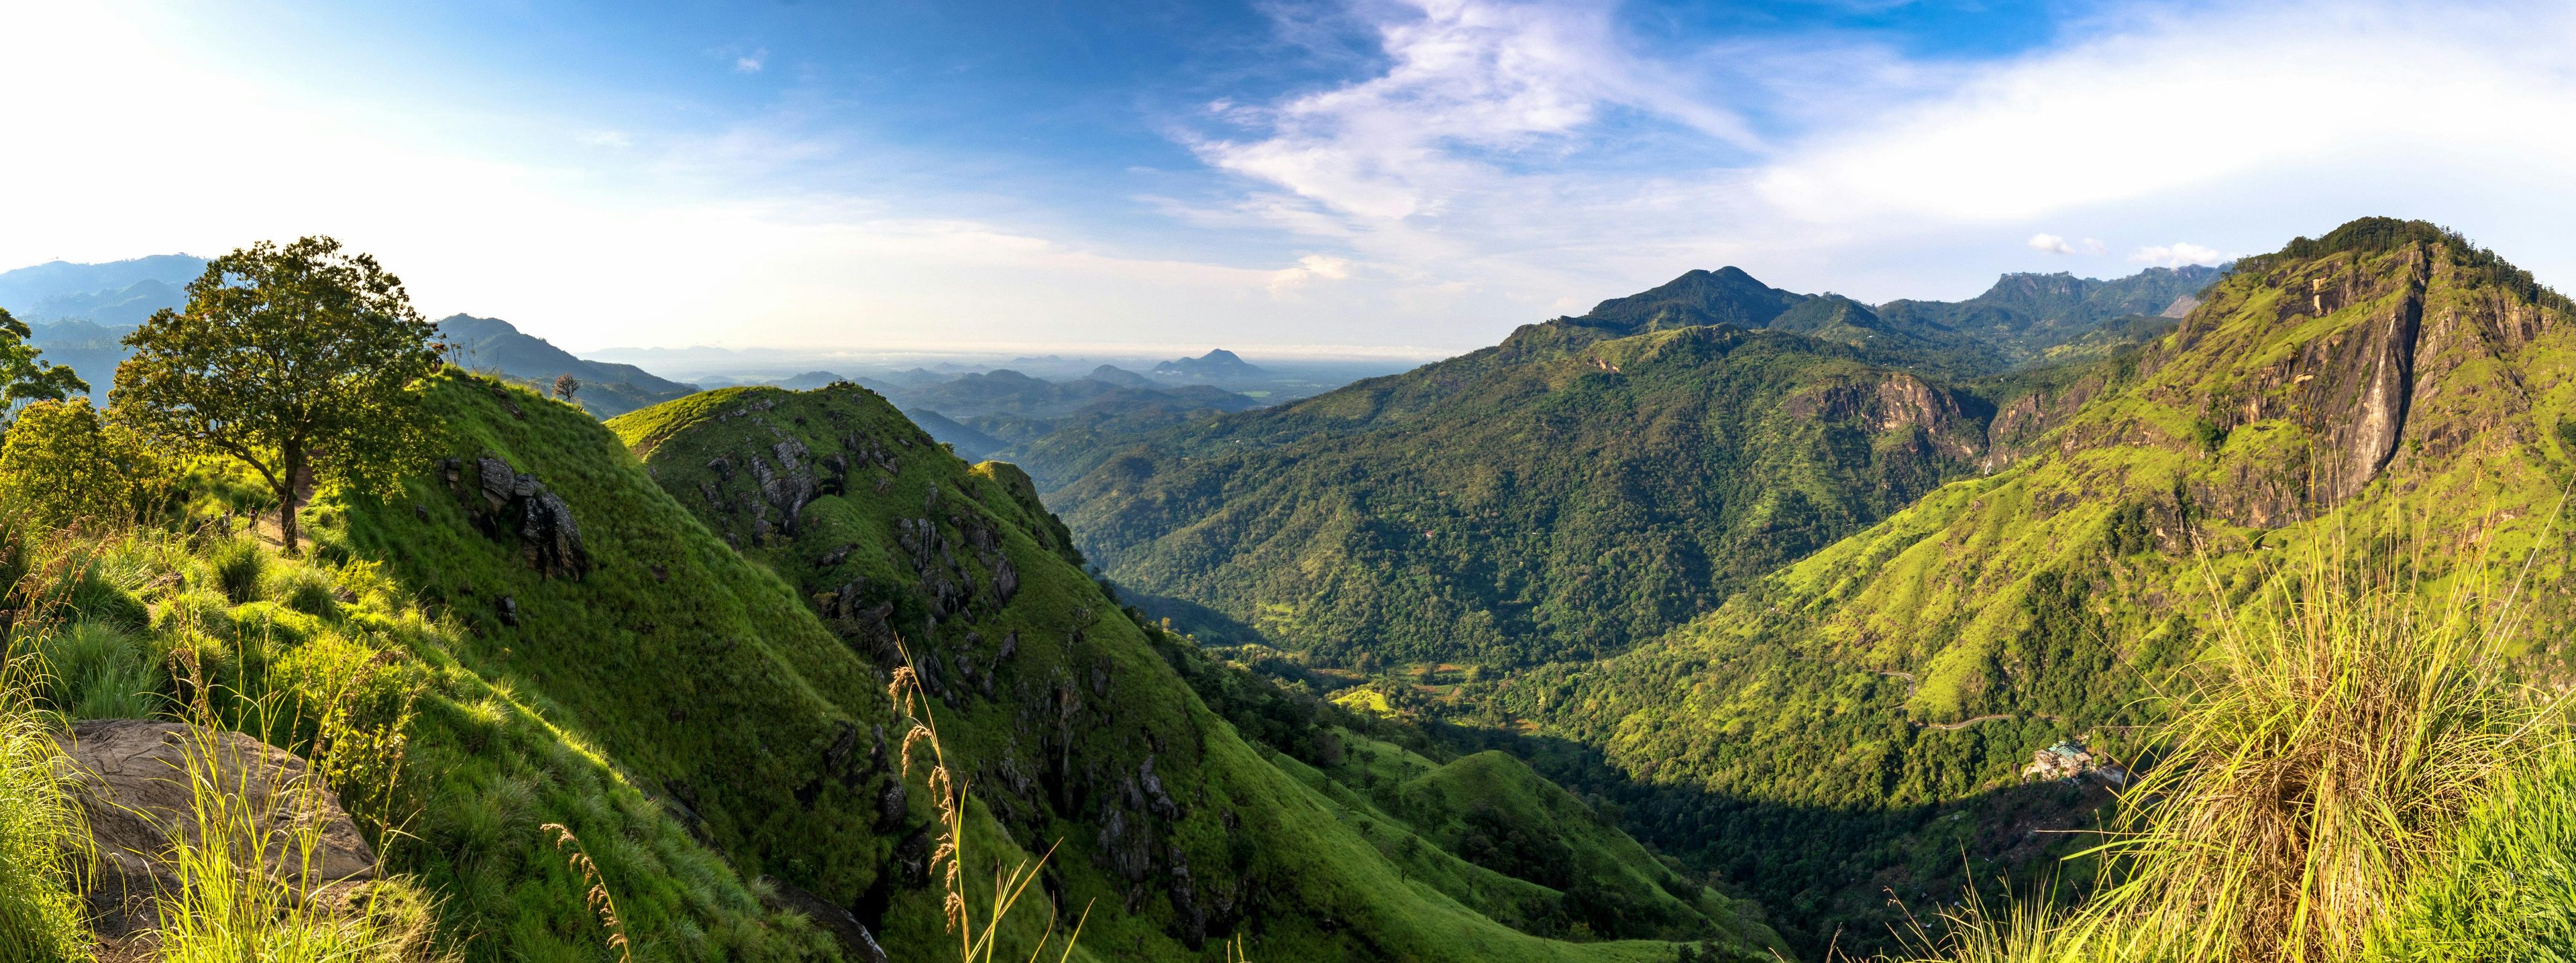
x=1839, y=877
x=1207, y=625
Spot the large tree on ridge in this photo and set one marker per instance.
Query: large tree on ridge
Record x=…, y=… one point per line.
x=297, y=361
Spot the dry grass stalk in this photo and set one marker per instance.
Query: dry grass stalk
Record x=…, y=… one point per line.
x=976, y=942
x=596, y=897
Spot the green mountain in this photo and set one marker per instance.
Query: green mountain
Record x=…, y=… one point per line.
x=1563, y=493
x=2032, y=317
x=1589, y=483
x=498, y=347
x=2389, y=383
x=1191, y=800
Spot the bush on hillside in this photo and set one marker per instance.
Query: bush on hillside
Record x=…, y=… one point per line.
x=63, y=465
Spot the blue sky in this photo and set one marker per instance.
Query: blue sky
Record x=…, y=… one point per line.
x=1376, y=176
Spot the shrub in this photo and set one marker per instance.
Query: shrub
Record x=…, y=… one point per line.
x=64, y=465
x=303, y=589
x=239, y=567
x=100, y=671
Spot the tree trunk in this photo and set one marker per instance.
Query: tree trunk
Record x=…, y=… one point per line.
x=286, y=498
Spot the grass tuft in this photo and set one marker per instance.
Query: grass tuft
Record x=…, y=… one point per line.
x=2350, y=716
x=40, y=829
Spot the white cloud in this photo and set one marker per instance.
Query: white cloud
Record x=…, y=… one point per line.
x=1309, y=268
x=2053, y=244
x=1477, y=154
x=2176, y=254
x=1470, y=81
x=751, y=63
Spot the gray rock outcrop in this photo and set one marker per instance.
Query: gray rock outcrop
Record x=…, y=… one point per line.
x=133, y=781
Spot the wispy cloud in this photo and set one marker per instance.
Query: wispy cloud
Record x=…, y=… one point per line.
x=1477, y=155
x=750, y=63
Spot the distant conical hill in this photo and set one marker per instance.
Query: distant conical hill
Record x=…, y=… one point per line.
x=2389, y=383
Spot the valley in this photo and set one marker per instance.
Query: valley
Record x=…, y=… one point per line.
x=1721, y=622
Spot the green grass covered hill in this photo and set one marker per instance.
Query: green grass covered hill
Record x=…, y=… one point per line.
x=537, y=630
x=2388, y=384
x=1192, y=802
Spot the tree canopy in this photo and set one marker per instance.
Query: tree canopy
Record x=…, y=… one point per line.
x=62, y=464
x=297, y=360
x=23, y=376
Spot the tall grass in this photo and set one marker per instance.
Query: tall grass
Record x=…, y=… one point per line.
x=249, y=854
x=2352, y=715
x=40, y=829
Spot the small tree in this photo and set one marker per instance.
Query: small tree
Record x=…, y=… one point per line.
x=565, y=385
x=23, y=377
x=297, y=361
x=62, y=464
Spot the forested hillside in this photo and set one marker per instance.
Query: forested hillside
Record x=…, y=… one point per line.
x=1591, y=481
x=2387, y=385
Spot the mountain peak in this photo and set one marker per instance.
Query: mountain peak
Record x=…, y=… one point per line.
x=1727, y=295
x=1217, y=363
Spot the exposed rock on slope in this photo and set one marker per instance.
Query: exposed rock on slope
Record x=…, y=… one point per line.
x=133, y=780
x=513, y=505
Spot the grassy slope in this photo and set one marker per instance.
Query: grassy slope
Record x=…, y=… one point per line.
x=1174, y=827
x=1520, y=503
x=2054, y=592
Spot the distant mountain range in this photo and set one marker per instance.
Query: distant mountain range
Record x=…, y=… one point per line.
x=1589, y=482
x=112, y=294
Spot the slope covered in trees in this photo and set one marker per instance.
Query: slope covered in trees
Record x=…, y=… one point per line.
x=1589, y=482
x=2386, y=385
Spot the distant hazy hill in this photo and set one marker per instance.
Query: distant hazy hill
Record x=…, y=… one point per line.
x=1122, y=377
x=607, y=389
x=1216, y=365
x=79, y=312
x=114, y=293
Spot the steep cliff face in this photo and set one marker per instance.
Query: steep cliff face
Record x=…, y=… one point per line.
x=1894, y=402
